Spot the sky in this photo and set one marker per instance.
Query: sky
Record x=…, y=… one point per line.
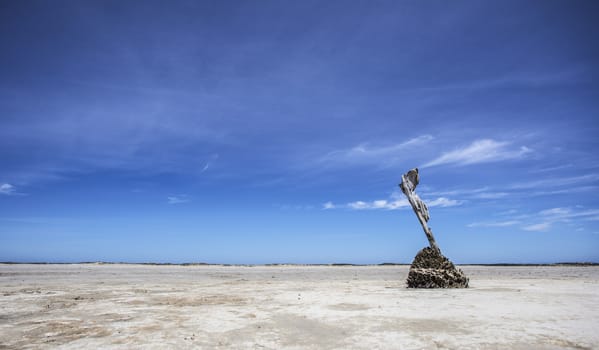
x=251, y=132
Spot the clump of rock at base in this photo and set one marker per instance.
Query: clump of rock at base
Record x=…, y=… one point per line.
x=431, y=269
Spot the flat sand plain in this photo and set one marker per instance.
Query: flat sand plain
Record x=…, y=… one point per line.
x=97, y=306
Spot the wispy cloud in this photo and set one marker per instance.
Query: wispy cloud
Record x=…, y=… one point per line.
x=495, y=223
x=542, y=227
x=444, y=202
x=518, y=79
x=545, y=219
x=209, y=163
x=392, y=204
x=328, y=205
x=490, y=195
x=570, y=190
x=178, y=199
x=472, y=193
x=566, y=214
x=378, y=204
x=543, y=187
x=367, y=153
x=550, y=169
x=555, y=211
x=480, y=151
x=148, y=138
x=556, y=182
x=9, y=190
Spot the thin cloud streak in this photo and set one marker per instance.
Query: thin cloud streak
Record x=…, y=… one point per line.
x=396, y=204
x=444, y=202
x=366, y=153
x=378, y=204
x=545, y=218
x=554, y=186
x=209, y=163
x=7, y=189
x=328, y=205
x=542, y=227
x=479, y=151
x=78, y=138
x=556, y=182
x=178, y=199
x=495, y=223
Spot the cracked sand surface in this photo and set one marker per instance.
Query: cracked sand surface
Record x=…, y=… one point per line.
x=294, y=307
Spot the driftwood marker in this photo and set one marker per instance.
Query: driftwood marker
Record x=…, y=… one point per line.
x=408, y=184
x=430, y=269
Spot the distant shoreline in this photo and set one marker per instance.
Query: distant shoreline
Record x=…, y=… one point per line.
x=281, y=264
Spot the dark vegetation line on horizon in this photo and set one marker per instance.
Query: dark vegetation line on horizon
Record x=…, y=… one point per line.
x=282, y=264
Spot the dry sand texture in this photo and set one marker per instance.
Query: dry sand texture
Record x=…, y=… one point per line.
x=294, y=307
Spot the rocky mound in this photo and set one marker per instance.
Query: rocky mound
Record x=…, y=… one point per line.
x=430, y=269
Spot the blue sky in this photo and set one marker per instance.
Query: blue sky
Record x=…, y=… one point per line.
x=277, y=131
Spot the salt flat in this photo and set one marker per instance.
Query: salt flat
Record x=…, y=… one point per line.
x=294, y=307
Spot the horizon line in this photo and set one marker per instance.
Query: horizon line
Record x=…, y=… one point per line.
x=150, y=263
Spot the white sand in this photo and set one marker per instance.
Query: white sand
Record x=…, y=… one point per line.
x=293, y=307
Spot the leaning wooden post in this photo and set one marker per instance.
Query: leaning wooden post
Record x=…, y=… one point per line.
x=408, y=184
x=430, y=269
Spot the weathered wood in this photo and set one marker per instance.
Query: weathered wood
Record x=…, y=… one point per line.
x=408, y=184
x=430, y=269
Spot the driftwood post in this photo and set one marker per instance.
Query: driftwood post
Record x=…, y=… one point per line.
x=430, y=269
x=408, y=184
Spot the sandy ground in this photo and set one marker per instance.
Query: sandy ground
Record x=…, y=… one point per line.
x=294, y=307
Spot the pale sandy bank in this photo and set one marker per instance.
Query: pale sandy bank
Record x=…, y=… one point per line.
x=292, y=307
